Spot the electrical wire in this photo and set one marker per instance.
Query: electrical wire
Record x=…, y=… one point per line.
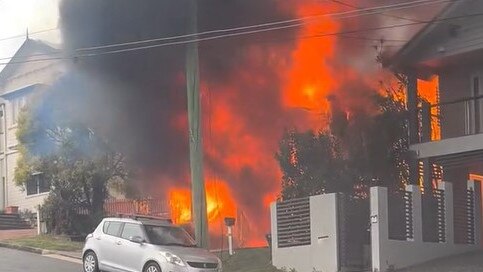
x=30, y=34
x=240, y=34
x=284, y=23
x=382, y=14
x=404, y=5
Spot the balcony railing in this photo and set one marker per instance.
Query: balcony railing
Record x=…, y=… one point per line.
x=460, y=117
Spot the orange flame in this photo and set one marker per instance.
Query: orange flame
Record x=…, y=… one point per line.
x=310, y=79
x=429, y=90
x=219, y=203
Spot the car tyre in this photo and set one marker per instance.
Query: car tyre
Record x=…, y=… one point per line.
x=152, y=267
x=90, y=263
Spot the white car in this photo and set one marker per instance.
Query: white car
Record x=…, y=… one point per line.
x=144, y=245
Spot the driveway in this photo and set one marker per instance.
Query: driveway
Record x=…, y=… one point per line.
x=20, y=261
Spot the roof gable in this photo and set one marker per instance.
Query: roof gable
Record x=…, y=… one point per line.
x=28, y=50
x=452, y=27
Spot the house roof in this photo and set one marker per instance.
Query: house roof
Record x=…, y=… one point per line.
x=27, y=49
x=405, y=56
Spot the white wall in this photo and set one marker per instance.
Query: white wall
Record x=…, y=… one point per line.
x=388, y=253
x=322, y=254
x=25, y=75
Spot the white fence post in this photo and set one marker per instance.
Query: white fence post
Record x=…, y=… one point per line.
x=379, y=227
x=417, y=212
x=38, y=221
x=274, y=234
x=447, y=187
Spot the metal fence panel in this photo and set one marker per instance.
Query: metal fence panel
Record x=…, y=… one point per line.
x=400, y=208
x=293, y=223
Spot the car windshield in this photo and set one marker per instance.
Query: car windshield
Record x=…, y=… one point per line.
x=169, y=236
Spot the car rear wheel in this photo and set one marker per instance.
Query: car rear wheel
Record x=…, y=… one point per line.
x=90, y=262
x=152, y=267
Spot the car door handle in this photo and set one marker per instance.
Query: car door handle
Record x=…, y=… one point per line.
x=118, y=243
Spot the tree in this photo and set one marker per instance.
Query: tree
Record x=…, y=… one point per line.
x=356, y=151
x=78, y=164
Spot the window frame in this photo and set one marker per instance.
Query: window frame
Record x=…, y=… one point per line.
x=41, y=185
x=121, y=226
x=140, y=227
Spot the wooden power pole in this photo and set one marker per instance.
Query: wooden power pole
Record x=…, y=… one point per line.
x=198, y=192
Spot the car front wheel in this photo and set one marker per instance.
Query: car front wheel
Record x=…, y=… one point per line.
x=152, y=267
x=90, y=262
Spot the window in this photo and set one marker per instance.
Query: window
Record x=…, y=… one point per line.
x=131, y=230
x=105, y=226
x=17, y=104
x=169, y=235
x=32, y=188
x=113, y=228
x=37, y=184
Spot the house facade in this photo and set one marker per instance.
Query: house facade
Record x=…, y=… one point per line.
x=439, y=213
x=25, y=75
x=449, y=50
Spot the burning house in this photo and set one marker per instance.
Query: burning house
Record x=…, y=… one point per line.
x=252, y=88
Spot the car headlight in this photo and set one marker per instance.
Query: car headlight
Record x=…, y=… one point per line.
x=173, y=259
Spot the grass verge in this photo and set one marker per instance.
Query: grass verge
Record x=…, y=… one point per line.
x=47, y=242
x=248, y=260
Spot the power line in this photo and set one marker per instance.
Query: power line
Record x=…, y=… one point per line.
x=302, y=21
x=382, y=14
x=30, y=34
x=246, y=33
x=292, y=23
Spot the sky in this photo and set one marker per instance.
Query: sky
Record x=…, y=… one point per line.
x=16, y=16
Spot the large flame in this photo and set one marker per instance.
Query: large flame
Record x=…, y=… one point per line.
x=429, y=90
x=242, y=140
x=310, y=78
x=219, y=203
x=244, y=148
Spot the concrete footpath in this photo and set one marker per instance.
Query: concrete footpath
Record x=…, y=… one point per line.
x=469, y=262
x=15, y=234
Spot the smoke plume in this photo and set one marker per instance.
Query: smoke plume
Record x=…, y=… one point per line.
x=253, y=87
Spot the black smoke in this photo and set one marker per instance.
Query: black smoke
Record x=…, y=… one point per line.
x=138, y=99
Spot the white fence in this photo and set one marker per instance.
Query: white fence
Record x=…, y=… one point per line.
x=394, y=254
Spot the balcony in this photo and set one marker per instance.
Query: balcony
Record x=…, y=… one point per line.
x=451, y=132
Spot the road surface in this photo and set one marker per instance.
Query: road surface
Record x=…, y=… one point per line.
x=20, y=261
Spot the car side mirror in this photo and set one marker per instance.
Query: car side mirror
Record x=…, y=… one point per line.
x=136, y=239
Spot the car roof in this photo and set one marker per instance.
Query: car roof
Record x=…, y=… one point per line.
x=140, y=221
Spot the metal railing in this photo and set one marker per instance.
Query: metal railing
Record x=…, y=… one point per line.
x=450, y=119
x=400, y=208
x=433, y=215
x=293, y=223
x=114, y=207
x=464, y=216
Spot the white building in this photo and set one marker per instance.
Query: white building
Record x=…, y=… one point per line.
x=25, y=74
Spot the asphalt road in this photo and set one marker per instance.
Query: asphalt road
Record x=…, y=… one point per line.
x=20, y=261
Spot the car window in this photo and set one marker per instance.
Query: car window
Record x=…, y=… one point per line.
x=113, y=228
x=131, y=230
x=105, y=226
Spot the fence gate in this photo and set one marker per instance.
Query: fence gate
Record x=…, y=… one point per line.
x=354, y=233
